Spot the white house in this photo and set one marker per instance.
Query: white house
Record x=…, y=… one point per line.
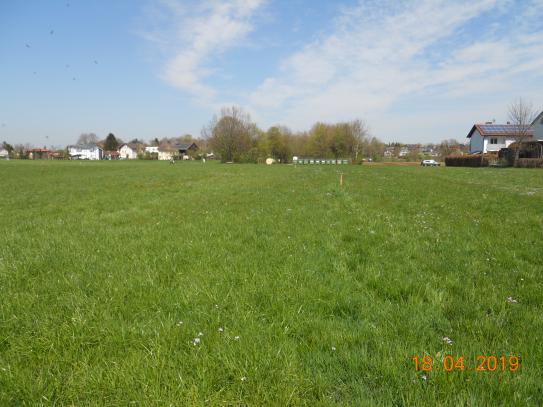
x=85, y=152
x=165, y=154
x=151, y=149
x=537, y=125
x=490, y=137
x=3, y=153
x=128, y=152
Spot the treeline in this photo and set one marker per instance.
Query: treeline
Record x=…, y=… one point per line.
x=233, y=137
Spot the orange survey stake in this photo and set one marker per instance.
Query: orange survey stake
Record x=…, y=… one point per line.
x=481, y=363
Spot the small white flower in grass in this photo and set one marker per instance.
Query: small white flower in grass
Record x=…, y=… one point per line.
x=511, y=300
x=424, y=377
x=196, y=341
x=200, y=334
x=333, y=348
x=180, y=323
x=447, y=340
x=236, y=338
x=221, y=329
x=244, y=379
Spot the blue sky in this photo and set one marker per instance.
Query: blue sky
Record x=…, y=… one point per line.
x=415, y=71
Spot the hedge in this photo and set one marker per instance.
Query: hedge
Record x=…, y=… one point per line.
x=530, y=162
x=473, y=160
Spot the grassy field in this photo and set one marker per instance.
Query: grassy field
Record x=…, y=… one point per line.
x=150, y=284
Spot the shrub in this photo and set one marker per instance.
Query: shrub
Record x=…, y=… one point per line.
x=474, y=160
x=530, y=163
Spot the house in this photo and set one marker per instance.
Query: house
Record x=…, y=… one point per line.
x=490, y=137
x=165, y=153
x=85, y=152
x=537, y=126
x=39, y=154
x=4, y=154
x=128, y=152
x=185, y=149
x=151, y=149
x=112, y=155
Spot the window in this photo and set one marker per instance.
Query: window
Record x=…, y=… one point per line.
x=493, y=140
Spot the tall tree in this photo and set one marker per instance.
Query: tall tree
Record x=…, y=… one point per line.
x=230, y=134
x=111, y=143
x=7, y=147
x=87, y=138
x=521, y=115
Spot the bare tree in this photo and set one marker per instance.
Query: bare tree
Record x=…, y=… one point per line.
x=359, y=131
x=230, y=134
x=87, y=138
x=521, y=115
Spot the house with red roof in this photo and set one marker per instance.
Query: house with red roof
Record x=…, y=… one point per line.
x=491, y=137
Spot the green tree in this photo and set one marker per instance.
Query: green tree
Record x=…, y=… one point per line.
x=8, y=147
x=276, y=143
x=111, y=143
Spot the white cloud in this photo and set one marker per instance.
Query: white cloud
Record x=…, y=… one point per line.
x=379, y=53
x=200, y=32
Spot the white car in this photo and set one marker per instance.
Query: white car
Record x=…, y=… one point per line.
x=429, y=163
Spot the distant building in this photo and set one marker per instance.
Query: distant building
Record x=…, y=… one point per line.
x=151, y=149
x=537, y=126
x=85, y=152
x=490, y=137
x=4, y=153
x=111, y=155
x=165, y=154
x=186, y=148
x=128, y=152
x=39, y=154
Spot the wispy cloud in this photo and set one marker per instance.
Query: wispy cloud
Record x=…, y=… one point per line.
x=380, y=52
x=200, y=32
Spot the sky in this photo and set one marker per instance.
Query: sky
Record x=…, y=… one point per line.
x=414, y=71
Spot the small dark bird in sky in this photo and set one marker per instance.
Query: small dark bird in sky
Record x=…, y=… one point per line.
x=67, y=65
x=96, y=62
x=27, y=45
x=34, y=72
x=52, y=32
x=73, y=79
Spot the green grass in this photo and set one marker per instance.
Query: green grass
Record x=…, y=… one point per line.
x=100, y=261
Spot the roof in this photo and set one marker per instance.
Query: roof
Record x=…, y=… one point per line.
x=40, y=150
x=86, y=146
x=539, y=118
x=509, y=130
x=133, y=146
x=185, y=146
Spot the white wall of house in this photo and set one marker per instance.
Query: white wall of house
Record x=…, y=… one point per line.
x=165, y=155
x=489, y=143
x=127, y=153
x=494, y=144
x=151, y=149
x=476, y=142
x=4, y=153
x=85, y=152
x=538, y=127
